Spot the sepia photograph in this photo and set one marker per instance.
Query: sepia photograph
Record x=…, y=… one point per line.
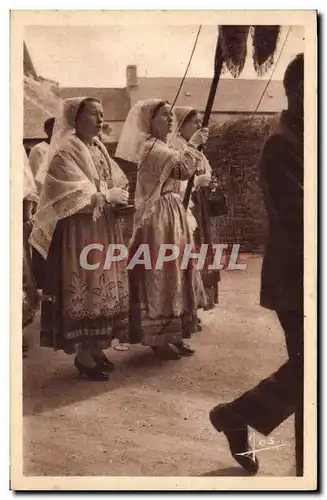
x=163, y=197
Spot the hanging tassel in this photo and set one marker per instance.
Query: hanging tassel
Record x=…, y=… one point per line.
x=98, y=202
x=265, y=40
x=233, y=41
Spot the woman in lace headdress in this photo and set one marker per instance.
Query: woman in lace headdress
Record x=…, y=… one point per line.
x=186, y=121
x=164, y=301
x=87, y=302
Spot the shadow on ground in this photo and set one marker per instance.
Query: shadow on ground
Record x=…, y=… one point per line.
x=228, y=472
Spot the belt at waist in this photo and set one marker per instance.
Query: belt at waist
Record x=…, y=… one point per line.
x=176, y=195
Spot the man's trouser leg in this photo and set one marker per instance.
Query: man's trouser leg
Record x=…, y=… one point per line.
x=280, y=395
x=292, y=323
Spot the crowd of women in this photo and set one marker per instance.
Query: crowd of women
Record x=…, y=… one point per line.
x=80, y=201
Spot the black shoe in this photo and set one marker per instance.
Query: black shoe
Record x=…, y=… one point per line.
x=184, y=350
x=165, y=353
x=237, y=439
x=93, y=373
x=103, y=362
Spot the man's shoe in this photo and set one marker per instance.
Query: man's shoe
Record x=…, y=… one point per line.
x=237, y=438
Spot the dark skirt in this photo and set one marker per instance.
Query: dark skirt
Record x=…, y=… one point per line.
x=82, y=306
x=210, y=278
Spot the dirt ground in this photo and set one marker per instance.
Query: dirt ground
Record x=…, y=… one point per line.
x=151, y=418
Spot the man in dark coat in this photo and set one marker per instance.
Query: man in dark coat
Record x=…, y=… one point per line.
x=280, y=395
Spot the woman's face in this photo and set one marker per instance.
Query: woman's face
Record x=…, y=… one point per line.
x=190, y=126
x=90, y=120
x=161, y=124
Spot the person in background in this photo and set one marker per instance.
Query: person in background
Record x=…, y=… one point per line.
x=277, y=397
x=164, y=300
x=187, y=121
x=38, y=155
x=105, y=132
x=87, y=301
x=30, y=291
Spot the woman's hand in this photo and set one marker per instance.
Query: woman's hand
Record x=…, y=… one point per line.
x=117, y=196
x=199, y=138
x=202, y=181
